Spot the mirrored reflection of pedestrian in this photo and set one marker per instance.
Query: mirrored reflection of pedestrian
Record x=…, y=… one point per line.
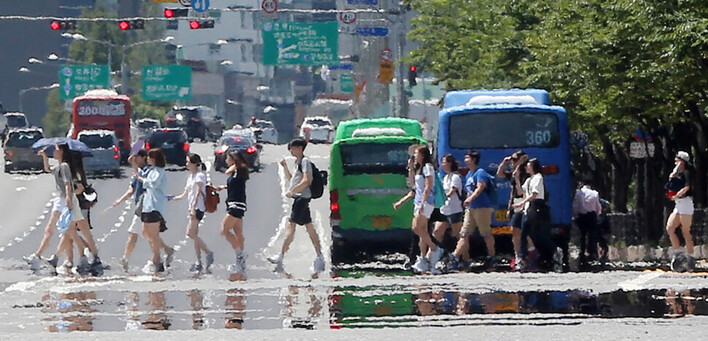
x=232, y=225
x=681, y=192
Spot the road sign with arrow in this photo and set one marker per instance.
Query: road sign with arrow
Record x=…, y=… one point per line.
x=75, y=80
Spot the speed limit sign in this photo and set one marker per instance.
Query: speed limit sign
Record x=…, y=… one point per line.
x=269, y=6
x=347, y=17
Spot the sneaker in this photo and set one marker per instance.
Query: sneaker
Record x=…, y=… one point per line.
x=53, y=261
x=454, y=263
x=33, y=261
x=65, y=268
x=276, y=259
x=88, y=253
x=490, y=262
x=558, y=260
x=160, y=268
x=123, y=262
x=319, y=264
x=237, y=267
x=435, y=256
x=149, y=268
x=169, y=257
x=209, y=260
x=196, y=267
x=84, y=268
x=241, y=259
x=421, y=265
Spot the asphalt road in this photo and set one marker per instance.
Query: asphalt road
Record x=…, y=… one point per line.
x=609, y=304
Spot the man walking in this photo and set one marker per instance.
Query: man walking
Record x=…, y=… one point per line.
x=586, y=209
x=300, y=178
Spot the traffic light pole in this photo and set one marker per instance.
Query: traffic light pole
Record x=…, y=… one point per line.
x=400, y=40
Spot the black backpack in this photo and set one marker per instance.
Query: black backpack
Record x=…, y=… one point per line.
x=319, y=180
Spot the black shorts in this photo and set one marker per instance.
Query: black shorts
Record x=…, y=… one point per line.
x=455, y=217
x=437, y=215
x=151, y=217
x=301, y=211
x=200, y=215
x=236, y=209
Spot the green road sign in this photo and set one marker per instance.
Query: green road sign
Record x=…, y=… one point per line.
x=167, y=82
x=287, y=42
x=75, y=80
x=346, y=83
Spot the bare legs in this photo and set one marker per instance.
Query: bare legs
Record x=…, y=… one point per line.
x=193, y=233
x=290, y=235
x=151, y=231
x=48, y=232
x=685, y=221
x=232, y=230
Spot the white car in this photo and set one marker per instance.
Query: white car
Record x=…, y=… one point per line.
x=265, y=131
x=104, y=147
x=317, y=129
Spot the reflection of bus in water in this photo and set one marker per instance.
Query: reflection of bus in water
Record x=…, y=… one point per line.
x=103, y=110
x=367, y=175
x=497, y=123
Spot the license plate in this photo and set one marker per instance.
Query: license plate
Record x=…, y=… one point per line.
x=381, y=222
x=500, y=215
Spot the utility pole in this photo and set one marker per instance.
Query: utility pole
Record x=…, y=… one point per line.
x=400, y=105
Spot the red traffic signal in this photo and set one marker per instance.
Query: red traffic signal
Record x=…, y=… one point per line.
x=413, y=68
x=201, y=24
x=169, y=13
x=137, y=24
x=62, y=25
x=176, y=12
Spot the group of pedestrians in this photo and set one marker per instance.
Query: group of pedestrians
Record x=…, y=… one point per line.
x=148, y=193
x=469, y=206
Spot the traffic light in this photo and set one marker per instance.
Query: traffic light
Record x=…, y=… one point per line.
x=176, y=12
x=57, y=25
x=137, y=24
x=195, y=25
x=412, y=74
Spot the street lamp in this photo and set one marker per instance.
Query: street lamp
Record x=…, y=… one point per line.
x=54, y=57
x=79, y=36
x=36, y=88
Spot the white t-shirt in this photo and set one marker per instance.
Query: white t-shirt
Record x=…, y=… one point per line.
x=452, y=204
x=428, y=170
x=532, y=185
x=191, y=188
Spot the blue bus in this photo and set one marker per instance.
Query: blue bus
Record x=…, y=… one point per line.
x=497, y=123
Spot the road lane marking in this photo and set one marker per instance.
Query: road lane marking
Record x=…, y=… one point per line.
x=638, y=283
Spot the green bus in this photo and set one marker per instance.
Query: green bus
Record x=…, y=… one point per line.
x=367, y=175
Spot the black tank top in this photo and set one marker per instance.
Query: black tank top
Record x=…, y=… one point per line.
x=236, y=188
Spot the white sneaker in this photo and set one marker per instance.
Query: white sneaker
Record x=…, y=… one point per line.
x=196, y=267
x=319, y=264
x=237, y=268
x=33, y=261
x=65, y=268
x=123, y=263
x=149, y=268
x=421, y=265
x=435, y=256
x=276, y=259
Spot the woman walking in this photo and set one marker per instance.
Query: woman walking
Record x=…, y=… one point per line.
x=423, y=176
x=232, y=225
x=452, y=210
x=195, y=191
x=154, y=202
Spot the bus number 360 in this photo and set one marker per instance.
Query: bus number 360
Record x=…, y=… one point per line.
x=538, y=138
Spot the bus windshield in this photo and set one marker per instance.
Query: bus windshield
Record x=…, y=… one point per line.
x=504, y=130
x=374, y=158
x=90, y=107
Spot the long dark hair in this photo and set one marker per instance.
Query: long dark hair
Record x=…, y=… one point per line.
x=454, y=166
x=536, y=166
x=427, y=158
x=241, y=165
x=197, y=160
x=68, y=157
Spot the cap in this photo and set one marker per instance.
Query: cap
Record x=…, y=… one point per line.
x=683, y=156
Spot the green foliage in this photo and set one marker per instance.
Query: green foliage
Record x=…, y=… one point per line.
x=56, y=122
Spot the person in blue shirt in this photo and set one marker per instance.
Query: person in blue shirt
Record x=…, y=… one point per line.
x=154, y=204
x=478, y=209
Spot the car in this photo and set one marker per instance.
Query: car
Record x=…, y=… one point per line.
x=144, y=126
x=105, y=149
x=317, y=129
x=243, y=133
x=198, y=122
x=250, y=151
x=18, y=149
x=15, y=120
x=173, y=142
x=264, y=131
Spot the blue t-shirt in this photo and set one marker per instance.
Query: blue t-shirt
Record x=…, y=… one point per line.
x=471, y=180
x=138, y=189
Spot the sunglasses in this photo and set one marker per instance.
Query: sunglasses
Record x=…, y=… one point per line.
x=514, y=159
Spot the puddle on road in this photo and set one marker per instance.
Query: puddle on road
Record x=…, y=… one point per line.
x=319, y=307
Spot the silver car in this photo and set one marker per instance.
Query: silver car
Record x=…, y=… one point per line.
x=104, y=147
x=18, y=150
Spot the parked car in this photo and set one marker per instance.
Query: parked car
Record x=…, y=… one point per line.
x=18, y=149
x=144, y=126
x=14, y=120
x=173, y=142
x=249, y=149
x=198, y=122
x=264, y=131
x=317, y=129
x=105, y=149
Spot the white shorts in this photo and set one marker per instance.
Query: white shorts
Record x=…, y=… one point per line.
x=427, y=210
x=684, y=206
x=59, y=203
x=135, y=225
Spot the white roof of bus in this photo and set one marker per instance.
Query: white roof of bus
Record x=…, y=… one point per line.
x=101, y=94
x=370, y=132
x=491, y=100
x=97, y=132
